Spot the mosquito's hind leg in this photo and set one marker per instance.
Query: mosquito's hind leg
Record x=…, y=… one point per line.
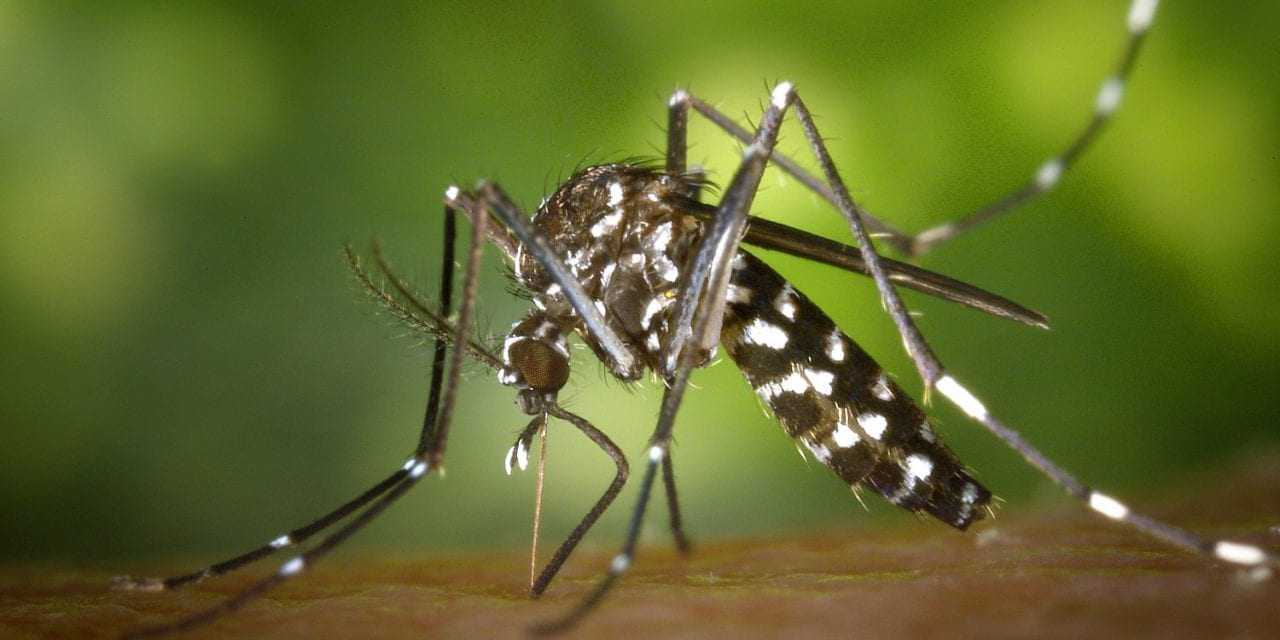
x=1141, y=14
x=673, y=507
x=935, y=375
x=1110, y=93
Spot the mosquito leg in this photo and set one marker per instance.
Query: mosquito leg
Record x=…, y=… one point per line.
x=678, y=146
x=491, y=196
x=934, y=375
x=287, y=570
x=424, y=460
x=292, y=538
x=703, y=296
x=301, y=534
x=429, y=423
x=780, y=237
x=619, y=479
x=620, y=564
x=1226, y=550
x=677, y=159
x=1141, y=13
x=897, y=238
x=673, y=506
x=433, y=448
x=926, y=362
x=677, y=132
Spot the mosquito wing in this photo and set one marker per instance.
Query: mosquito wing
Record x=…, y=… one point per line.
x=767, y=234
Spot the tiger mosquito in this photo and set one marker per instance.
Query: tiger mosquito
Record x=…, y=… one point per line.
x=628, y=258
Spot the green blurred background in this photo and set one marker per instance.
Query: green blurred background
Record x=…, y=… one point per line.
x=189, y=369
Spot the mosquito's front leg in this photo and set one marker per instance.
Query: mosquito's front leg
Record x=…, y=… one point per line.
x=427, y=457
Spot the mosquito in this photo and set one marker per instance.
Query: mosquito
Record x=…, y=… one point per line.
x=627, y=257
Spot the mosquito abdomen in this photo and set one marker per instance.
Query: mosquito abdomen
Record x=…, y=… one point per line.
x=833, y=398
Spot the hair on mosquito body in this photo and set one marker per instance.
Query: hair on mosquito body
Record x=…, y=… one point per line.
x=628, y=259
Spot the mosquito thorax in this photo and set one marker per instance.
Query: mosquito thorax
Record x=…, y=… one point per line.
x=623, y=232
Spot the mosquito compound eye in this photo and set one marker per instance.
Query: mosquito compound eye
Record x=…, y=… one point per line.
x=539, y=365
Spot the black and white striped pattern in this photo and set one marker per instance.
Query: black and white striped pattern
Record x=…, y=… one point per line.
x=833, y=398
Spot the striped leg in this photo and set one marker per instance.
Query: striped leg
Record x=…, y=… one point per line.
x=1110, y=93
x=1107, y=506
x=934, y=375
x=426, y=458
x=1138, y=22
x=302, y=534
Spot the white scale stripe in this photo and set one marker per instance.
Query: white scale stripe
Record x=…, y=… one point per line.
x=1141, y=12
x=961, y=396
x=1049, y=174
x=835, y=346
x=1109, y=96
x=781, y=94
x=522, y=455
x=844, y=437
x=621, y=563
x=919, y=466
x=1108, y=506
x=738, y=294
x=821, y=380
x=819, y=450
x=1239, y=553
x=765, y=334
x=293, y=566
x=795, y=382
x=873, y=424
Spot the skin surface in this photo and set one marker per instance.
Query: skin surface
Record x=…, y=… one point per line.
x=1058, y=572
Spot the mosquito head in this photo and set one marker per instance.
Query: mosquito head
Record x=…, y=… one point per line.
x=535, y=360
x=542, y=370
